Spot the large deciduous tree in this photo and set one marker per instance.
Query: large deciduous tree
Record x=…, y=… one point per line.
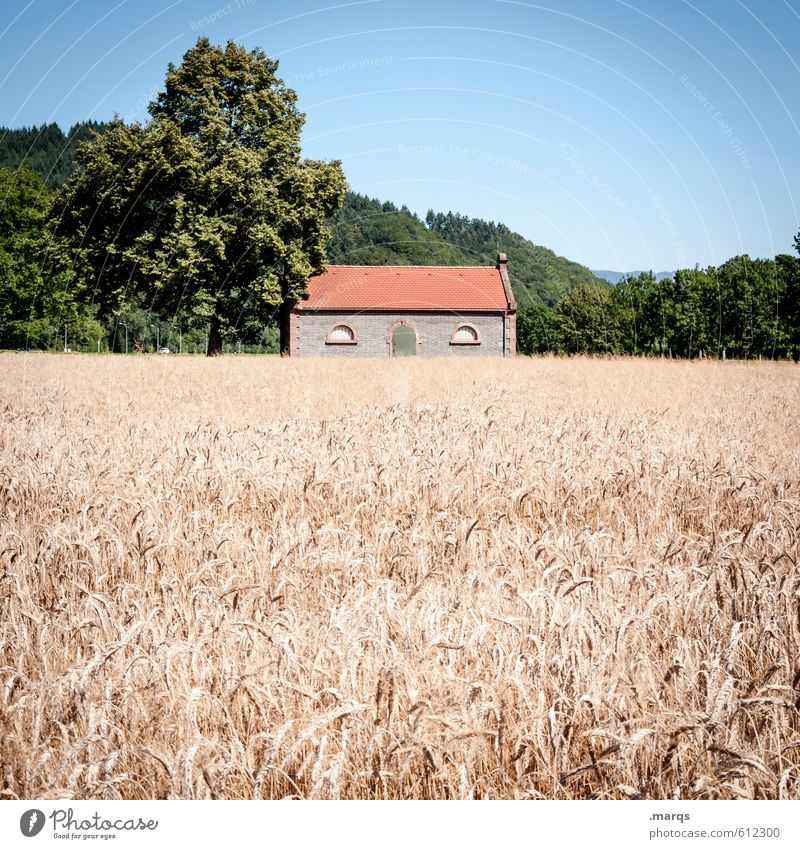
x=208, y=210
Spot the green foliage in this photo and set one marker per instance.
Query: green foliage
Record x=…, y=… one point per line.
x=176, y=333
x=750, y=290
x=589, y=321
x=38, y=295
x=370, y=232
x=141, y=323
x=745, y=308
x=47, y=150
x=788, y=273
x=538, y=275
x=86, y=333
x=661, y=316
x=632, y=296
x=23, y=206
x=538, y=330
x=208, y=210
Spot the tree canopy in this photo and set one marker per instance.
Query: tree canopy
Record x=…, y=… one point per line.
x=47, y=150
x=208, y=210
x=39, y=295
x=23, y=207
x=744, y=308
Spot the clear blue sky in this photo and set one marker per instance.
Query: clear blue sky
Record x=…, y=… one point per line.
x=624, y=134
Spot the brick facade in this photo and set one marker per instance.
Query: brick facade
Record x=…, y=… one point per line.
x=373, y=333
x=373, y=301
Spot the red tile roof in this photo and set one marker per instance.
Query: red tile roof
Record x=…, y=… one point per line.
x=406, y=287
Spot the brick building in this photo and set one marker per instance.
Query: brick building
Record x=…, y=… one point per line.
x=402, y=310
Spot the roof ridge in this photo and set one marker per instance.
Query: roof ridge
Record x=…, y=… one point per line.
x=344, y=265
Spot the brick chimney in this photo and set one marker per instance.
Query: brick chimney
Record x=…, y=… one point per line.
x=510, y=322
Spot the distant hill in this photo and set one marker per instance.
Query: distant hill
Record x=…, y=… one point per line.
x=615, y=276
x=46, y=149
x=372, y=232
x=538, y=274
x=367, y=231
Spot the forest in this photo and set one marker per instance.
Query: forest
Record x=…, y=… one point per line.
x=47, y=150
x=745, y=308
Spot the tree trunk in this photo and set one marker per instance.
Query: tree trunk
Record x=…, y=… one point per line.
x=214, y=338
x=283, y=314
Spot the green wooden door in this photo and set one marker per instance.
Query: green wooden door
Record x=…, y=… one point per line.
x=404, y=342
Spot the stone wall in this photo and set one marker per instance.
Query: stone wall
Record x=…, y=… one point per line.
x=373, y=330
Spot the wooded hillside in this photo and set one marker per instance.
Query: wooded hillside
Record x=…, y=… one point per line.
x=371, y=232
x=47, y=150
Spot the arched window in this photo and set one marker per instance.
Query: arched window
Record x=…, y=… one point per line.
x=341, y=334
x=465, y=334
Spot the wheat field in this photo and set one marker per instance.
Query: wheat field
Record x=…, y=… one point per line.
x=267, y=578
